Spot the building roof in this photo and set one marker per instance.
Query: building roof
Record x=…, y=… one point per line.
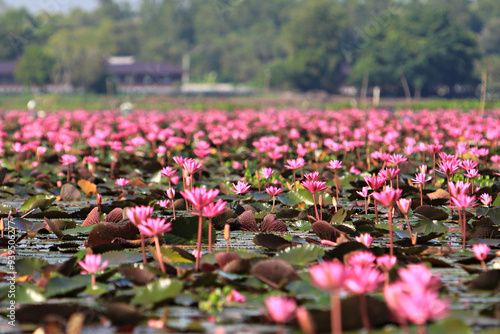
x=7, y=67
x=143, y=68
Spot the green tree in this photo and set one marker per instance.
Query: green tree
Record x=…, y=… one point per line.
x=81, y=53
x=312, y=37
x=35, y=67
x=421, y=48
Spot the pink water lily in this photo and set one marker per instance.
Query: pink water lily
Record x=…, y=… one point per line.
x=92, y=264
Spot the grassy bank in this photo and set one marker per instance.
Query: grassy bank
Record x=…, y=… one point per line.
x=282, y=100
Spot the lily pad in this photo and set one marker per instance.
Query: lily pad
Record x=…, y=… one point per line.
x=301, y=255
x=185, y=231
x=157, y=291
x=59, y=285
x=39, y=201
x=117, y=258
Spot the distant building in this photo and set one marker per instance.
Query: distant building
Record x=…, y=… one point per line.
x=128, y=75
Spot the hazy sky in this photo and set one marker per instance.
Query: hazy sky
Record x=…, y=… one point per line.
x=57, y=5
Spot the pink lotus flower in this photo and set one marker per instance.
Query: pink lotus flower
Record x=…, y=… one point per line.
x=154, y=226
x=397, y=159
x=139, y=214
x=266, y=172
x=419, y=278
x=334, y=164
x=314, y=186
x=404, y=205
x=421, y=178
x=388, y=196
x=463, y=201
x=374, y=182
x=235, y=296
x=191, y=166
x=121, y=182
x=312, y=176
x=363, y=279
x=240, y=188
x=213, y=209
x=417, y=308
x=481, y=251
x=295, y=163
x=170, y=192
x=363, y=259
x=197, y=254
x=68, y=159
x=274, y=191
x=168, y=172
x=200, y=197
x=485, y=199
x=329, y=275
x=164, y=203
x=365, y=238
x=281, y=309
x=386, y=262
x=92, y=265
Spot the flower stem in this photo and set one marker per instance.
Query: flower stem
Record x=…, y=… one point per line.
x=335, y=314
x=198, y=244
x=376, y=211
x=364, y=312
x=315, y=208
x=391, y=244
x=158, y=253
x=93, y=279
x=143, y=248
x=464, y=228
x=209, y=235
x=409, y=230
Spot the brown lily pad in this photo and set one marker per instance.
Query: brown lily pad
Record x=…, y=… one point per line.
x=223, y=258
x=271, y=241
x=122, y=314
x=246, y=222
x=431, y=212
x=270, y=223
x=488, y=280
x=93, y=217
x=114, y=216
x=326, y=231
x=69, y=193
x=274, y=272
x=106, y=232
x=137, y=276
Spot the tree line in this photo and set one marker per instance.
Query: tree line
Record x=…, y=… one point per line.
x=412, y=47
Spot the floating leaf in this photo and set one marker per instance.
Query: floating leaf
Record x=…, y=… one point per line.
x=449, y=325
x=428, y=226
x=301, y=225
x=157, y=291
x=87, y=187
x=27, y=225
x=5, y=209
x=494, y=214
x=79, y=229
x=339, y=216
x=431, y=212
x=274, y=272
x=174, y=256
x=185, y=231
x=27, y=265
x=69, y=193
x=271, y=241
x=300, y=255
x=117, y=258
x=28, y=293
x=59, y=285
x=38, y=201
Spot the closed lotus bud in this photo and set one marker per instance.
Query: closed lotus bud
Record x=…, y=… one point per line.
x=227, y=232
x=320, y=201
x=99, y=199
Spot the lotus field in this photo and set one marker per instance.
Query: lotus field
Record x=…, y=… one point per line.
x=258, y=221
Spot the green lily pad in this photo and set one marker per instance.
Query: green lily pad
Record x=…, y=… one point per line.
x=79, y=229
x=301, y=225
x=300, y=255
x=27, y=265
x=117, y=258
x=59, y=285
x=157, y=291
x=339, y=216
x=29, y=293
x=5, y=209
x=173, y=256
x=39, y=201
x=428, y=226
x=494, y=214
x=449, y=325
x=185, y=231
